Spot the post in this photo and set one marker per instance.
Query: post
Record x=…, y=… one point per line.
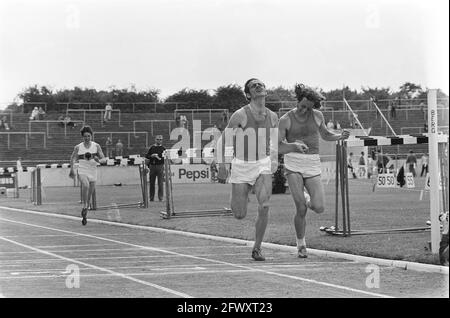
x=338, y=152
x=33, y=187
x=16, y=184
x=433, y=170
x=167, y=185
x=38, y=186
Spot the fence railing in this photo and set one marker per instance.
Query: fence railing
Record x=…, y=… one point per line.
x=47, y=122
x=128, y=133
x=209, y=111
x=102, y=111
x=26, y=134
x=152, y=121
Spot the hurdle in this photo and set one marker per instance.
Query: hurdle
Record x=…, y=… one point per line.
x=170, y=212
x=9, y=179
x=141, y=204
x=36, y=186
x=341, y=190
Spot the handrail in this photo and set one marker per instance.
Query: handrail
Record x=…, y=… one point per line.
x=151, y=121
x=209, y=110
x=26, y=133
x=101, y=110
x=52, y=121
x=381, y=113
x=122, y=132
x=356, y=117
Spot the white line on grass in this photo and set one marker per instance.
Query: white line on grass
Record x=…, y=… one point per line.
x=168, y=290
x=210, y=260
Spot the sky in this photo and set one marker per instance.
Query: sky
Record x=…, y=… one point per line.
x=203, y=44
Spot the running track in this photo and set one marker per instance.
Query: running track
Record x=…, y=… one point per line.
x=39, y=255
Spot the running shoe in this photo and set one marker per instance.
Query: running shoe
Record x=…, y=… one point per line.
x=83, y=215
x=302, y=253
x=257, y=255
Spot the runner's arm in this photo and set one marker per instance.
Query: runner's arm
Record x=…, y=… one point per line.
x=325, y=133
x=237, y=119
x=73, y=158
x=283, y=146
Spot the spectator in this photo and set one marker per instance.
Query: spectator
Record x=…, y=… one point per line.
x=34, y=114
x=41, y=113
x=108, y=111
x=4, y=123
x=109, y=146
x=424, y=165
x=422, y=110
x=411, y=162
x=330, y=124
x=362, y=165
x=19, y=164
x=68, y=121
x=350, y=165
x=177, y=121
x=62, y=121
x=225, y=116
x=337, y=126
x=155, y=161
x=183, y=121
x=119, y=148
x=370, y=167
x=425, y=127
x=393, y=108
x=384, y=162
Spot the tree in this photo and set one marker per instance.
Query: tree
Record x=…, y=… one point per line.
x=230, y=97
x=376, y=93
x=194, y=98
x=409, y=91
x=277, y=95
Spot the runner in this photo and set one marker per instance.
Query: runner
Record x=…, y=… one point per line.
x=88, y=154
x=304, y=124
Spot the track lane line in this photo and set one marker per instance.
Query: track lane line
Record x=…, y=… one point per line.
x=70, y=260
x=209, y=260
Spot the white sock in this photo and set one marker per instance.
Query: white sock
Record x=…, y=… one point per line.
x=301, y=242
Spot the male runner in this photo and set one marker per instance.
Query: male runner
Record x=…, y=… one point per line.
x=304, y=124
x=254, y=159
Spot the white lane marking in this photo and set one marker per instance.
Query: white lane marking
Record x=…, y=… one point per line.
x=320, y=266
x=206, y=259
x=70, y=260
x=132, y=274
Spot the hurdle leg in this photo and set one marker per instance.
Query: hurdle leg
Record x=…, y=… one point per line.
x=347, y=204
x=166, y=180
x=342, y=184
x=38, y=187
x=171, y=190
x=33, y=187
x=338, y=167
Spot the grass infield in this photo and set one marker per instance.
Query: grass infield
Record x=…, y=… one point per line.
x=379, y=209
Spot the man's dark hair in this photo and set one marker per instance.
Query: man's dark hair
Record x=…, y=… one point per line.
x=86, y=129
x=310, y=94
x=246, y=88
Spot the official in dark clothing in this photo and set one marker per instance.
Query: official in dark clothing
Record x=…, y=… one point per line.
x=155, y=162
